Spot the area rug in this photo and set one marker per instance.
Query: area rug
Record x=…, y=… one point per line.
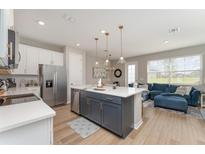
x=196, y=112
x=83, y=127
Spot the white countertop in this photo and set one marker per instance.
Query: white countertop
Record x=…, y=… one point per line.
x=119, y=91
x=13, y=116
x=81, y=87
x=20, y=91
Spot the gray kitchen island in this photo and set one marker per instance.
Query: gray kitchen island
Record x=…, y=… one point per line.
x=117, y=110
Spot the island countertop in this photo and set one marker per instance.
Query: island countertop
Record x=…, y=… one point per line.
x=119, y=91
x=13, y=116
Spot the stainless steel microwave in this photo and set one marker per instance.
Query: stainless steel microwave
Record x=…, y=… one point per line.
x=11, y=58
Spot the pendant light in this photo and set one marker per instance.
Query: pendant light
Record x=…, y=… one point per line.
x=107, y=60
x=122, y=59
x=96, y=53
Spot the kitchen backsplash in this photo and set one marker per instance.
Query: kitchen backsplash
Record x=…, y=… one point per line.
x=22, y=81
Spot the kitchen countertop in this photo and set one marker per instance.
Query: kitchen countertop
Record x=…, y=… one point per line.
x=119, y=91
x=13, y=116
x=81, y=87
x=20, y=91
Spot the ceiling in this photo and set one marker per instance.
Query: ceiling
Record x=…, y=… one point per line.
x=144, y=30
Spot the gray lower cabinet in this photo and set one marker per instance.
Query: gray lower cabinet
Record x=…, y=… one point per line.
x=111, y=117
x=94, y=109
x=111, y=112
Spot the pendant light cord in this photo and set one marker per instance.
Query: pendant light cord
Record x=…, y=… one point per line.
x=121, y=39
x=96, y=48
x=106, y=45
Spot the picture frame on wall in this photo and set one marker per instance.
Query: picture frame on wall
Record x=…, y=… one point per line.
x=100, y=72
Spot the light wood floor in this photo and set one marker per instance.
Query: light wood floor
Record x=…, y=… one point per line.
x=159, y=127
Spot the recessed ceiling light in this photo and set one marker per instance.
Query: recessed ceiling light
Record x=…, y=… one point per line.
x=78, y=44
x=166, y=41
x=103, y=31
x=41, y=22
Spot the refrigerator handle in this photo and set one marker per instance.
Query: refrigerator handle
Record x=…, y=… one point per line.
x=54, y=84
x=56, y=79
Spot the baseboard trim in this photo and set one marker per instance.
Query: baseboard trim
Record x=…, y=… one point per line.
x=137, y=125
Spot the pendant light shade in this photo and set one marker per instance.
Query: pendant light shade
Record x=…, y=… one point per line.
x=107, y=60
x=96, y=53
x=121, y=59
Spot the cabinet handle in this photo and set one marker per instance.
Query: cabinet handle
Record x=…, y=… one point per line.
x=19, y=56
x=10, y=46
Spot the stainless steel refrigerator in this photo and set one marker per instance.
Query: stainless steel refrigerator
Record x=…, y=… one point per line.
x=53, y=83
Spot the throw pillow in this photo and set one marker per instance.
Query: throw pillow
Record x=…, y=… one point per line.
x=188, y=89
x=181, y=90
x=145, y=86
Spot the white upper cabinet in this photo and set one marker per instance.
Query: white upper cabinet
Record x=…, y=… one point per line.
x=57, y=58
x=51, y=57
x=23, y=60
x=31, y=57
x=32, y=60
x=45, y=56
x=3, y=33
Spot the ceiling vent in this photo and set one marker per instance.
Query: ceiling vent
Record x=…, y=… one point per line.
x=69, y=19
x=174, y=30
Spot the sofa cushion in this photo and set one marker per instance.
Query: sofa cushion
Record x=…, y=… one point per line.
x=161, y=87
x=181, y=90
x=188, y=98
x=171, y=102
x=154, y=93
x=188, y=90
x=195, y=94
x=172, y=88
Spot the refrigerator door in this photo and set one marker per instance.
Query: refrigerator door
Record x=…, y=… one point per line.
x=47, y=80
x=60, y=85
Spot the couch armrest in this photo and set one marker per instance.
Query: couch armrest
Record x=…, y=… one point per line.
x=149, y=87
x=195, y=94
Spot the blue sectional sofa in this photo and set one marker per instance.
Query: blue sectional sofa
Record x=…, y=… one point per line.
x=156, y=89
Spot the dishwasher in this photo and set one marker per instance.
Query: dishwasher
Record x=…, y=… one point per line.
x=75, y=100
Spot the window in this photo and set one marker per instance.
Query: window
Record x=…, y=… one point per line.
x=181, y=70
x=131, y=73
x=158, y=71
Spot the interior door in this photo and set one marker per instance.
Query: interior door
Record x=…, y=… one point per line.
x=75, y=69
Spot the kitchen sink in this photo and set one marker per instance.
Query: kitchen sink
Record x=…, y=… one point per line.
x=17, y=99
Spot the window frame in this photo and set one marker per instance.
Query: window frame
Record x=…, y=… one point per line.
x=126, y=71
x=171, y=72
x=132, y=72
